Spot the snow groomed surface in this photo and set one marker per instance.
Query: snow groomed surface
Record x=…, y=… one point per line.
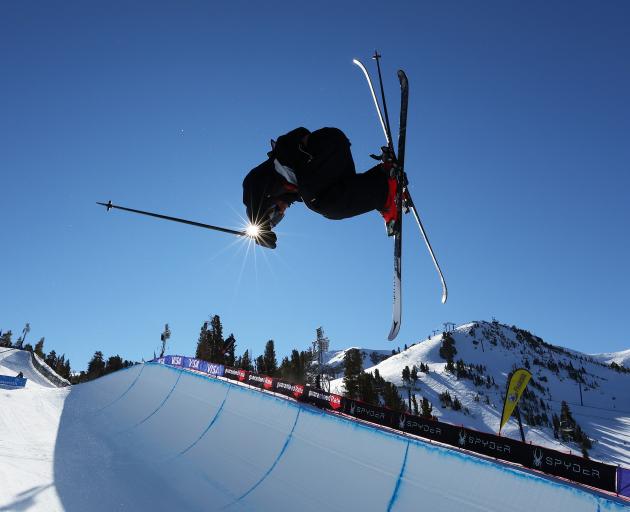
x=154, y=437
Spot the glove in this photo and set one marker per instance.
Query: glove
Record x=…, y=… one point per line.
x=266, y=237
x=287, y=149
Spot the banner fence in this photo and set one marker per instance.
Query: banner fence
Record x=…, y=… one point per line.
x=565, y=465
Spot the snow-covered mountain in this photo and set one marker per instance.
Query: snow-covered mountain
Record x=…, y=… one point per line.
x=621, y=358
x=598, y=395
x=333, y=360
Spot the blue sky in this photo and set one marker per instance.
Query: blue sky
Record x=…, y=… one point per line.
x=517, y=153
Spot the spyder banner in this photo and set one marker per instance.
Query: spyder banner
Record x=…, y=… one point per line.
x=371, y=413
x=571, y=467
x=430, y=429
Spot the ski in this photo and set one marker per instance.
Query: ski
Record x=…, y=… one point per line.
x=402, y=183
x=404, y=201
x=109, y=206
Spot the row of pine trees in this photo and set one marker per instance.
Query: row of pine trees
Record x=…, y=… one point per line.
x=214, y=347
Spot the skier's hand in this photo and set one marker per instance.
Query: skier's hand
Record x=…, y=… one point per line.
x=266, y=237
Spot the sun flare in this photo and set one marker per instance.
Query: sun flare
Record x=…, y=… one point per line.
x=252, y=230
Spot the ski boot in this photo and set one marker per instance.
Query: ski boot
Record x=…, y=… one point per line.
x=396, y=182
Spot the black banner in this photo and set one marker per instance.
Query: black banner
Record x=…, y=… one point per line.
x=324, y=400
x=498, y=447
x=571, y=467
x=431, y=429
x=371, y=413
x=253, y=379
x=291, y=390
x=235, y=374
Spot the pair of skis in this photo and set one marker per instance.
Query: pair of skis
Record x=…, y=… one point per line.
x=404, y=202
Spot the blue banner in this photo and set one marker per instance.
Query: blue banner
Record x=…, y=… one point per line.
x=623, y=482
x=15, y=382
x=191, y=363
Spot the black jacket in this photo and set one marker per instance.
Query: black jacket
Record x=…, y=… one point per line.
x=262, y=188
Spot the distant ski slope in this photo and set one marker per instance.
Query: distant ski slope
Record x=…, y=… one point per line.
x=29, y=419
x=13, y=361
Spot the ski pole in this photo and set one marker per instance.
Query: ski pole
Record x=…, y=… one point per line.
x=109, y=206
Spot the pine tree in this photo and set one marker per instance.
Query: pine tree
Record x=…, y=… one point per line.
x=414, y=376
x=414, y=403
x=259, y=364
x=447, y=349
x=5, y=340
x=392, y=399
x=96, y=366
x=406, y=375
x=245, y=362
x=426, y=408
x=216, y=340
x=114, y=363
x=352, y=365
x=39, y=348
x=366, y=390
x=269, y=359
x=203, y=343
x=51, y=359
x=67, y=372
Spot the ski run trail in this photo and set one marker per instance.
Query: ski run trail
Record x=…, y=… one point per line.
x=156, y=438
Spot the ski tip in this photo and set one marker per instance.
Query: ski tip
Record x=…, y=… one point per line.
x=444, y=296
x=394, y=331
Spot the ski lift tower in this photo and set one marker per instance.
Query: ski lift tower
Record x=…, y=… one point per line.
x=320, y=347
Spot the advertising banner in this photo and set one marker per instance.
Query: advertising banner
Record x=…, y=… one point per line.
x=431, y=429
x=623, y=482
x=371, y=413
x=253, y=379
x=291, y=390
x=324, y=400
x=515, y=389
x=571, y=467
x=235, y=374
x=192, y=363
x=14, y=382
x=489, y=444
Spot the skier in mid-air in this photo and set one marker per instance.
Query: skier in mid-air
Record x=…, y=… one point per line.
x=316, y=168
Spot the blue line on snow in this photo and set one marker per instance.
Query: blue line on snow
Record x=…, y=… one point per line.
x=394, y=497
x=127, y=391
x=216, y=416
x=159, y=406
x=275, y=462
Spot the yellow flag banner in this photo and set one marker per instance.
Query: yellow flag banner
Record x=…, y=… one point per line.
x=515, y=389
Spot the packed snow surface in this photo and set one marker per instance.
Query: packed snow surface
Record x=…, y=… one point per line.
x=156, y=438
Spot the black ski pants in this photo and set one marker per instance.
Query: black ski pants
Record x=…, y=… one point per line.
x=329, y=183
